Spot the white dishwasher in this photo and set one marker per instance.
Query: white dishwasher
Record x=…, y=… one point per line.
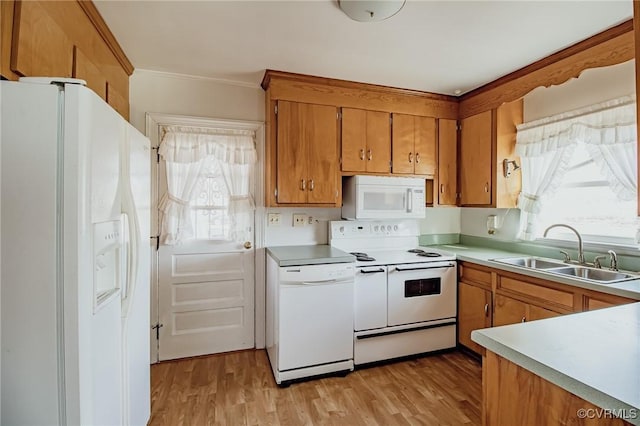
x=309, y=311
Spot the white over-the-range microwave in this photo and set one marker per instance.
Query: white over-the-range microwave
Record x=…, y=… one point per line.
x=383, y=197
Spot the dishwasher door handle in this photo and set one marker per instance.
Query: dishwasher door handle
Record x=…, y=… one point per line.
x=314, y=283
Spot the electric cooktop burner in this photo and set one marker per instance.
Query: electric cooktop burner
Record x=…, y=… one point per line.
x=362, y=257
x=423, y=253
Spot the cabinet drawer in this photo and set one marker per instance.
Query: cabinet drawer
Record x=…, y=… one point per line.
x=594, y=300
x=545, y=294
x=475, y=273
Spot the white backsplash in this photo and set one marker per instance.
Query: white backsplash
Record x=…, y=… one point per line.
x=286, y=234
x=441, y=220
x=473, y=221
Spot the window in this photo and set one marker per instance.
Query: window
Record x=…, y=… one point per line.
x=209, y=212
x=586, y=201
x=578, y=168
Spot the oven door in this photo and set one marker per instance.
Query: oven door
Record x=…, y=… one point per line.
x=370, y=301
x=421, y=292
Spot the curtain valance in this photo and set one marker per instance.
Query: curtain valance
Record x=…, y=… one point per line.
x=190, y=144
x=608, y=123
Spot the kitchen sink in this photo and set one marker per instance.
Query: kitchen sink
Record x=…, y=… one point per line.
x=600, y=276
x=530, y=262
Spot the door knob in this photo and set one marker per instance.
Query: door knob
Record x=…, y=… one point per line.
x=247, y=245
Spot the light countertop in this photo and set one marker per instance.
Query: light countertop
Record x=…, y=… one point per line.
x=308, y=255
x=594, y=355
x=483, y=256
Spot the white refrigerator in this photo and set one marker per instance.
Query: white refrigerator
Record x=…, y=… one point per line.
x=74, y=219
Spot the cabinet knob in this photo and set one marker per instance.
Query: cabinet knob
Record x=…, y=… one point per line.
x=442, y=188
x=486, y=187
x=411, y=157
x=247, y=245
x=303, y=185
x=417, y=157
x=362, y=154
x=486, y=309
x=369, y=155
x=523, y=319
x=311, y=185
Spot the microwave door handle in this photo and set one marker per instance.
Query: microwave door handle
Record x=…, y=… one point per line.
x=409, y=200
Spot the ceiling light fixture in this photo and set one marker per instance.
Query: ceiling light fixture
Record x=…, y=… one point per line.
x=370, y=10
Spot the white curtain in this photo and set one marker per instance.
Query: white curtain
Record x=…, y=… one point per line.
x=545, y=147
x=186, y=151
x=174, y=205
x=241, y=205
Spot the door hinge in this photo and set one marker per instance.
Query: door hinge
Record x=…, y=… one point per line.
x=157, y=328
x=390, y=166
x=458, y=126
x=157, y=238
x=157, y=150
x=276, y=109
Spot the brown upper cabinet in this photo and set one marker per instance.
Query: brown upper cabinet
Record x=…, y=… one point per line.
x=447, y=182
x=413, y=144
x=64, y=39
x=486, y=140
x=366, y=141
x=307, y=159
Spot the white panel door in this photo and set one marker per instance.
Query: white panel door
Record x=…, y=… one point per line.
x=205, y=287
x=205, y=298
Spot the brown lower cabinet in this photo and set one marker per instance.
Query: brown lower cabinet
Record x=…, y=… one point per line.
x=491, y=297
x=508, y=401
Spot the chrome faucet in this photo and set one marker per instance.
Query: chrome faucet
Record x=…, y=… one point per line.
x=613, y=265
x=580, y=248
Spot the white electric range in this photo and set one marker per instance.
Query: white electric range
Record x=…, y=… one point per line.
x=405, y=299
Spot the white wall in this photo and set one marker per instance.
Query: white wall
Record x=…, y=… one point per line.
x=152, y=91
x=441, y=220
x=593, y=86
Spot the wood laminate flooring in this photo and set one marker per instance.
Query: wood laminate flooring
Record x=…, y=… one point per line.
x=238, y=389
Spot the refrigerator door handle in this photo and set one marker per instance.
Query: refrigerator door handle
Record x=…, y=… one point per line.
x=129, y=214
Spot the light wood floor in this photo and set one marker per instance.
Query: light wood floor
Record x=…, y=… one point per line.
x=238, y=389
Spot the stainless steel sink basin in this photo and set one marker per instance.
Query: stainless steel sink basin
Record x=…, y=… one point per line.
x=530, y=262
x=599, y=275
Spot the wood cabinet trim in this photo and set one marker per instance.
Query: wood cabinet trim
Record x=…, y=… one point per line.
x=609, y=47
x=98, y=22
x=538, y=292
x=320, y=91
x=480, y=276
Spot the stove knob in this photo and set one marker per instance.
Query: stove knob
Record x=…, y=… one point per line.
x=388, y=228
x=395, y=228
x=376, y=228
x=342, y=229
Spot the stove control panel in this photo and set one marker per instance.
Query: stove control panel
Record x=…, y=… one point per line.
x=354, y=229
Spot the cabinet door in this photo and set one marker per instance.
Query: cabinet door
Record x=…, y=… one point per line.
x=447, y=161
x=321, y=133
x=402, y=143
x=474, y=312
x=40, y=47
x=86, y=70
x=538, y=313
x=354, y=140
x=424, y=146
x=295, y=122
x=475, y=159
x=378, y=152
x=508, y=311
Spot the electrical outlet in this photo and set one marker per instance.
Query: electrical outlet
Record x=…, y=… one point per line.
x=299, y=219
x=274, y=219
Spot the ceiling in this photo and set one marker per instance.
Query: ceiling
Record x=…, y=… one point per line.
x=435, y=46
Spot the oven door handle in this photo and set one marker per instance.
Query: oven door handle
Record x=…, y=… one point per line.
x=375, y=271
x=451, y=265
